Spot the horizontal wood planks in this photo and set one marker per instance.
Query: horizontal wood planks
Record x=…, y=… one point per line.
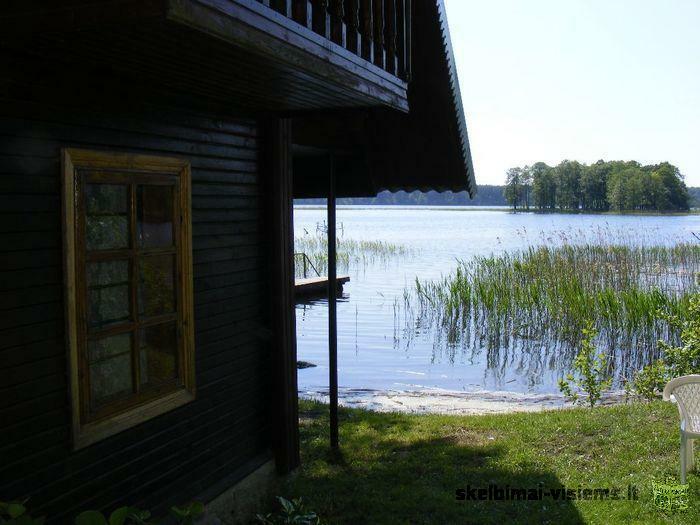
x=317, y=285
x=179, y=455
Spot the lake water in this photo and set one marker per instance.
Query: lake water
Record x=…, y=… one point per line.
x=374, y=353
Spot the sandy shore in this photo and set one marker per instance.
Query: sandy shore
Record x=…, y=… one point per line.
x=447, y=402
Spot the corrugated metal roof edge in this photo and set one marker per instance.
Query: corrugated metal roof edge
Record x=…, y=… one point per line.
x=457, y=98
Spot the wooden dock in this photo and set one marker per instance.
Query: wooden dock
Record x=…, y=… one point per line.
x=317, y=286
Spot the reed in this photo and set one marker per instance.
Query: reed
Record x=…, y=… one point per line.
x=545, y=295
x=350, y=252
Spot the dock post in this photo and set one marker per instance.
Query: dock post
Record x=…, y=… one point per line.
x=332, y=307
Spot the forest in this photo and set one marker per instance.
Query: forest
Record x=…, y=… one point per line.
x=570, y=186
x=602, y=186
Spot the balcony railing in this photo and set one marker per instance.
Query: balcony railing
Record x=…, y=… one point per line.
x=379, y=31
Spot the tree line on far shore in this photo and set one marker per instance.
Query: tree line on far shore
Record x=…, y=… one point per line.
x=488, y=195
x=602, y=186
x=538, y=187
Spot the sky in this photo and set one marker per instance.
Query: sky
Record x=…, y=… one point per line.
x=548, y=80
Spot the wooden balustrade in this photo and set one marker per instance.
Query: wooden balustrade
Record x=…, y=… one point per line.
x=367, y=14
x=403, y=38
x=352, y=19
x=379, y=31
x=379, y=49
x=338, y=28
x=390, y=35
x=301, y=12
x=321, y=18
x=281, y=6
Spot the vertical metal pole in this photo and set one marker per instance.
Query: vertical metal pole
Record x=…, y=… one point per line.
x=332, y=307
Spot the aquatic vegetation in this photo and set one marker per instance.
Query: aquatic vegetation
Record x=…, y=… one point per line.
x=590, y=374
x=675, y=361
x=350, y=253
x=544, y=295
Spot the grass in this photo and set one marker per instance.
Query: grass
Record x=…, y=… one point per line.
x=398, y=468
x=546, y=294
x=350, y=253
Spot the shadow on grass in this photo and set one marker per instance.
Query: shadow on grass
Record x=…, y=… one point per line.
x=390, y=472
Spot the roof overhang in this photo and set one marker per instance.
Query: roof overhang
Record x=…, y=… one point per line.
x=245, y=57
x=243, y=50
x=424, y=149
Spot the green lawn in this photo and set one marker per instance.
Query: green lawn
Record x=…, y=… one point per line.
x=397, y=468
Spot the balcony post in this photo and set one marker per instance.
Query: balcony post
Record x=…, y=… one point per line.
x=283, y=343
x=401, y=38
x=352, y=19
x=390, y=35
x=338, y=34
x=379, y=51
x=367, y=30
x=321, y=19
x=405, y=71
x=281, y=6
x=302, y=10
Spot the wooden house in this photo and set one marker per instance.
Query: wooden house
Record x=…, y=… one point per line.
x=150, y=151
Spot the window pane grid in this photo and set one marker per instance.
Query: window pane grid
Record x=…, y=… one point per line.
x=152, y=368
x=102, y=192
x=130, y=327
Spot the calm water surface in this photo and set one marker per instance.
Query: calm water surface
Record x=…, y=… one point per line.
x=374, y=350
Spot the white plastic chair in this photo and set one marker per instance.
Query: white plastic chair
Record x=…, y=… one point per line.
x=685, y=391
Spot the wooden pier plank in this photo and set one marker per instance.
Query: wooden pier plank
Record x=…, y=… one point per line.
x=316, y=285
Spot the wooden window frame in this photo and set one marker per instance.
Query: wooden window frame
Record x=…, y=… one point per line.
x=87, y=430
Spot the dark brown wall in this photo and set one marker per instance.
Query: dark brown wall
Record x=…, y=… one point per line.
x=197, y=449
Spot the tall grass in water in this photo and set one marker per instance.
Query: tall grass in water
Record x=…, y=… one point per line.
x=547, y=294
x=350, y=252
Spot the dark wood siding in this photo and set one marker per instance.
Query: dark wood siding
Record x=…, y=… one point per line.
x=211, y=442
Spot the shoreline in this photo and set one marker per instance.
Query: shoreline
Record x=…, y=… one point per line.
x=430, y=207
x=435, y=401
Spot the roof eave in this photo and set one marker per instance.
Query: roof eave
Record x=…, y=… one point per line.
x=457, y=99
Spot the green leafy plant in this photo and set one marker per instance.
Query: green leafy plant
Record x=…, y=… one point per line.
x=291, y=513
x=684, y=359
x=188, y=515
x=591, y=371
x=649, y=382
x=121, y=516
x=15, y=513
x=677, y=361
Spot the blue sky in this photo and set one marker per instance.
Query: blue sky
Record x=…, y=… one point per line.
x=579, y=79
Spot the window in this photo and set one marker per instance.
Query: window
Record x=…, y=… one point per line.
x=128, y=276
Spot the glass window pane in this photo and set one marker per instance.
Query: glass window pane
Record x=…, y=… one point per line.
x=108, y=272
x=154, y=212
x=107, y=221
x=110, y=367
x=158, y=353
x=108, y=347
x=156, y=285
x=108, y=293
